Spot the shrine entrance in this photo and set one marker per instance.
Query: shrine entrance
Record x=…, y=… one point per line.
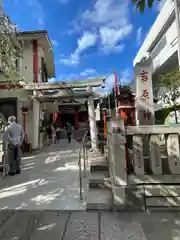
x=55, y=95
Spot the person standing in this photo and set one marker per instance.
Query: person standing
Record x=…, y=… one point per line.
x=50, y=133
x=69, y=131
x=12, y=141
x=58, y=133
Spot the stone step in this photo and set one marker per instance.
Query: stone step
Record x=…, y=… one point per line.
x=99, y=179
x=95, y=155
x=97, y=158
x=98, y=161
x=99, y=199
x=99, y=167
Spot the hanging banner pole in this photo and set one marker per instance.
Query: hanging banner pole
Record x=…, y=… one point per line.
x=116, y=92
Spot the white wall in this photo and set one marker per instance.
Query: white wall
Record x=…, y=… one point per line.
x=165, y=13
x=27, y=62
x=168, y=50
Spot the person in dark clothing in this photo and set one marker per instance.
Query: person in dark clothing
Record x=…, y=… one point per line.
x=68, y=131
x=49, y=132
x=12, y=141
x=58, y=133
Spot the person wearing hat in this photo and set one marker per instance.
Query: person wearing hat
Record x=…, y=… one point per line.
x=12, y=140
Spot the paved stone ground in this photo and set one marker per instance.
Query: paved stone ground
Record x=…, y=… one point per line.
x=49, y=180
x=56, y=225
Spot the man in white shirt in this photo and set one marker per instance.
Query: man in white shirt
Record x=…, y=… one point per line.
x=12, y=140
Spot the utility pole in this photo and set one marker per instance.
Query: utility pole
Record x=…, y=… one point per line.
x=177, y=19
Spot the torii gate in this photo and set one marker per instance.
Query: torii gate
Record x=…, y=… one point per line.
x=64, y=91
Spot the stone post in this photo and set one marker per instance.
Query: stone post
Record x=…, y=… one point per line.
x=36, y=117
x=144, y=93
x=144, y=110
x=118, y=162
x=92, y=122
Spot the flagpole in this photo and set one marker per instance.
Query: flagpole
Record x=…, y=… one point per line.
x=115, y=92
x=115, y=100
x=109, y=104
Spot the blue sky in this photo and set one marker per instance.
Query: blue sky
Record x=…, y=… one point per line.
x=89, y=37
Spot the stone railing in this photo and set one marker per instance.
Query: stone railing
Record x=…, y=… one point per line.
x=155, y=161
x=155, y=149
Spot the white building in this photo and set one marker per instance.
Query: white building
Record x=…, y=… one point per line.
x=161, y=41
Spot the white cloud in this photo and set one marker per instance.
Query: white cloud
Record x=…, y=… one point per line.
x=110, y=81
x=72, y=60
x=112, y=49
x=126, y=76
x=55, y=43
x=109, y=13
x=139, y=36
x=37, y=11
x=87, y=40
x=87, y=73
x=110, y=38
x=109, y=19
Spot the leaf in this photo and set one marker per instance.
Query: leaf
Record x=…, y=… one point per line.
x=141, y=5
x=150, y=3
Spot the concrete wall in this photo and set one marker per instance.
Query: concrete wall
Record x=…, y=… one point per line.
x=166, y=47
x=160, y=42
x=27, y=62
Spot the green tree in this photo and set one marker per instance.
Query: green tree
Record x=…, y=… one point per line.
x=170, y=86
x=11, y=48
x=142, y=4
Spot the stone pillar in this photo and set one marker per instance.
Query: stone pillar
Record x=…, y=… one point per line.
x=173, y=153
x=144, y=93
x=118, y=163
x=98, y=113
x=92, y=122
x=36, y=117
x=144, y=101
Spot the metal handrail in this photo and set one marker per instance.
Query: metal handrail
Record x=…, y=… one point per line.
x=83, y=151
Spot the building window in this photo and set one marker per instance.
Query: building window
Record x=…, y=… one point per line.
x=159, y=47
